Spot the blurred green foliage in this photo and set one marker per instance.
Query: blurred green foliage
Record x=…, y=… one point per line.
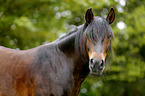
x=26, y=24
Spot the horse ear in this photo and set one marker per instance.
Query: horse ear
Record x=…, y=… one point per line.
x=89, y=16
x=111, y=16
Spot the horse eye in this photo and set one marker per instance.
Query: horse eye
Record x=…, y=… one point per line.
x=88, y=49
x=107, y=49
x=102, y=40
x=109, y=37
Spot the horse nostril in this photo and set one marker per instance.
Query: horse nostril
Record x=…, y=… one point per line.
x=92, y=61
x=102, y=63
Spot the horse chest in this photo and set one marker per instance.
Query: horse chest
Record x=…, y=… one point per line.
x=54, y=80
x=57, y=85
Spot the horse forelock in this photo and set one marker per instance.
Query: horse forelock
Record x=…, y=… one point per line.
x=98, y=29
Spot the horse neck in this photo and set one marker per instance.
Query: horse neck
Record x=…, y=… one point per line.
x=66, y=45
x=82, y=62
x=73, y=46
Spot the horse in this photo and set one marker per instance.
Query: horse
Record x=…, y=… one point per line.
x=58, y=68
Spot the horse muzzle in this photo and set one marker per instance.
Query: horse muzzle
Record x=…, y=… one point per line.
x=96, y=66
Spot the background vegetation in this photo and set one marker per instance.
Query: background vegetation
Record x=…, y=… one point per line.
x=26, y=24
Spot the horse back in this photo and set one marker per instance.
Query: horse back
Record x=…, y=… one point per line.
x=39, y=71
x=15, y=79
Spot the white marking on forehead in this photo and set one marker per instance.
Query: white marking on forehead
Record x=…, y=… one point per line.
x=98, y=47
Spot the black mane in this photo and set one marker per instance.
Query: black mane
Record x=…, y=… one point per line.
x=71, y=40
x=68, y=33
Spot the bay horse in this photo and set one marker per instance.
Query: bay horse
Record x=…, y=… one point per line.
x=60, y=67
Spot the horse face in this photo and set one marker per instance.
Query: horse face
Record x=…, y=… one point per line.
x=99, y=34
x=97, y=53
